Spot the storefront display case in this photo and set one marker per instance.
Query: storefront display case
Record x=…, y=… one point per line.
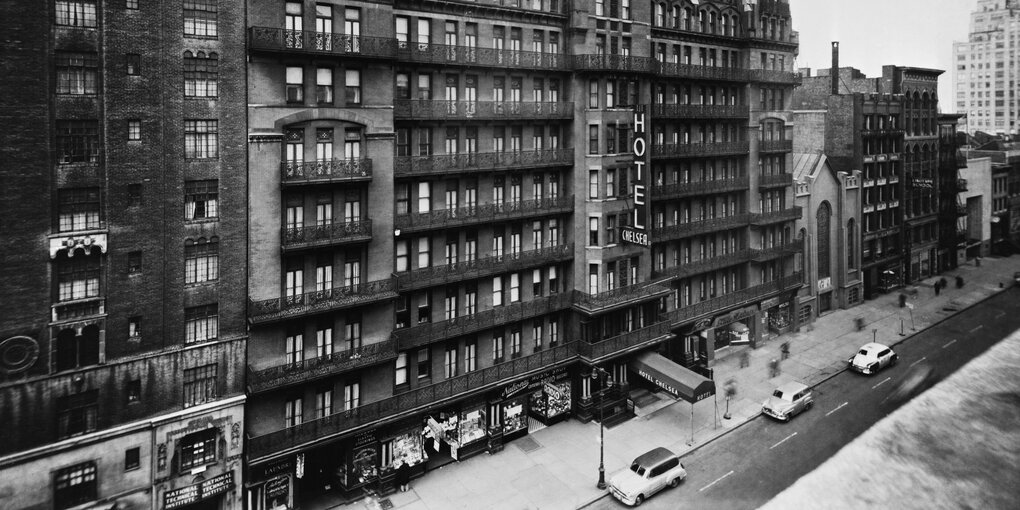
x=360, y=464
x=405, y=446
x=515, y=418
x=552, y=403
x=472, y=431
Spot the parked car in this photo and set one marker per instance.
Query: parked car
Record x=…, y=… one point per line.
x=648, y=474
x=872, y=357
x=787, y=400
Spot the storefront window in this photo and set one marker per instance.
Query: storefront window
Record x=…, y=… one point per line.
x=404, y=447
x=472, y=425
x=552, y=400
x=514, y=417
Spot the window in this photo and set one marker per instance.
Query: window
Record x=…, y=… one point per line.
x=134, y=262
x=131, y=4
x=554, y=332
x=200, y=18
x=515, y=343
x=593, y=139
x=76, y=13
x=352, y=396
x=200, y=74
x=77, y=414
x=515, y=287
x=133, y=391
x=400, y=370
x=78, y=209
x=497, y=348
x=77, y=73
x=201, y=199
x=593, y=231
x=198, y=449
x=323, y=403
x=294, y=346
x=450, y=362
x=293, y=412
x=352, y=82
x=78, y=278
x=497, y=291
x=295, y=84
x=424, y=363
x=201, y=139
x=536, y=334
x=324, y=85
x=201, y=261
x=134, y=131
x=201, y=323
x=132, y=64
x=593, y=184
x=131, y=457
x=76, y=484
x=470, y=357
x=199, y=385
x=352, y=332
x=77, y=141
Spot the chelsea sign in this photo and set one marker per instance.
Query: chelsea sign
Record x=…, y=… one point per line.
x=636, y=232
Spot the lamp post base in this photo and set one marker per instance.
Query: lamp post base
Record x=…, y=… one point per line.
x=602, y=477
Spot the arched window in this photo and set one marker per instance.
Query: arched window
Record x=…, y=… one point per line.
x=851, y=244
x=725, y=21
x=660, y=15
x=822, y=224
x=688, y=14
x=702, y=22
x=798, y=259
x=735, y=24
x=675, y=16
x=201, y=73
x=711, y=23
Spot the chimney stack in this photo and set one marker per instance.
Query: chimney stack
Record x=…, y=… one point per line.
x=834, y=72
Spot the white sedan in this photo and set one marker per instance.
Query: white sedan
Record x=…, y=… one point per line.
x=872, y=357
x=648, y=474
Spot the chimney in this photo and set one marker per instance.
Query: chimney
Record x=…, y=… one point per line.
x=834, y=72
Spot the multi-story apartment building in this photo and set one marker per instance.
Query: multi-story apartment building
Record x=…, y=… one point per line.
x=504, y=207
x=986, y=68
x=952, y=208
x=123, y=332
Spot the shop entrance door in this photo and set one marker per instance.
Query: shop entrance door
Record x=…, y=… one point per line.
x=824, y=303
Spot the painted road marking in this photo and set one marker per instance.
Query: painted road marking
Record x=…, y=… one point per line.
x=783, y=441
x=951, y=342
x=979, y=326
x=918, y=361
x=837, y=408
x=1000, y=314
x=881, y=383
x=717, y=480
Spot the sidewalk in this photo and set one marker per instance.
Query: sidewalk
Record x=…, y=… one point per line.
x=557, y=467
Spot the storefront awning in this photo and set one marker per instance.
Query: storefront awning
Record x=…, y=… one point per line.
x=675, y=379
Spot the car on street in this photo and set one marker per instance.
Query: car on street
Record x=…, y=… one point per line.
x=649, y=473
x=788, y=400
x=872, y=357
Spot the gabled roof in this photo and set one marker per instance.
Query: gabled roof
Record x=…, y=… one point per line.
x=806, y=165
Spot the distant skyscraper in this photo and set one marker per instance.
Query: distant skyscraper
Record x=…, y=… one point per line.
x=984, y=86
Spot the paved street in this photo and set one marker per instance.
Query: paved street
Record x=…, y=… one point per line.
x=749, y=466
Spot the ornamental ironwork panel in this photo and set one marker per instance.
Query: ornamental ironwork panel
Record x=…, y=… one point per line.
x=775, y=146
x=682, y=189
x=614, y=63
x=699, y=149
x=471, y=269
x=755, y=293
x=483, y=161
x=307, y=41
x=618, y=296
x=602, y=348
x=701, y=111
x=682, y=230
x=774, y=252
x=775, y=180
x=306, y=370
x=482, y=110
x=484, y=57
x=767, y=218
x=445, y=218
x=321, y=301
x=323, y=235
x=330, y=170
x=699, y=72
x=704, y=265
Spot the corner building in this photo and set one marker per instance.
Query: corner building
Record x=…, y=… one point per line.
x=460, y=210
x=122, y=337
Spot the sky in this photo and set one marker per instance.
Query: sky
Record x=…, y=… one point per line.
x=873, y=33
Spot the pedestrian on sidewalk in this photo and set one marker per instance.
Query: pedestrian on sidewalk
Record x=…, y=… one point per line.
x=745, y=359
x=773, y=368
x=403, y=477
x=785, y=348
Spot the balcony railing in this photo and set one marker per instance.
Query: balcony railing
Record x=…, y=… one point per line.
x=775, y=146
x=481, y=161
x=681, y=230
x=330, y=170
x=775, y=180
x=767, y=218
x=623, y=342
x=447, y=55
x=699, y=149
x=775, y=252
x=466, y=270
x=327, y=235
x=701, y=111
x=696, y=72
x=424, y=334
x=614, y=63
x=704, y=265
x=445, y=218
x=78, y=309
x=337, y=423
x=592, y=303
x=740, y=297
x=295, y=373
x=684, y=189
x=338, y=298
x=482, y=110
x=307, y=41
x=770, y=76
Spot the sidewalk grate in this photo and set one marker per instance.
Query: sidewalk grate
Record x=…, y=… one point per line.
x=527, y=444
x=385, y=504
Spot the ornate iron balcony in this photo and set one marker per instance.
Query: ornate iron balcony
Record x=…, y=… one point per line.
x=481, y=161
x=337, y=298
x=306, y=41
x=682, y=230
x=337, y=423
x=775, y=252
x=626, y=341
x=770, y=76
x=775, y=146
x=699, y=149
x=768, y=218
x=445, y=218
x=614, y=63
x=685, y=189
x=467, y=270
x=330, y=170
x=262, y=379
x=698, y=72
x=700, y=111
x=704, y=265
x=327, y=235
x=737, y=298
x=481, y=110
x=424, y=334
x=594, y=303
x=448, y=55
x=775, y=180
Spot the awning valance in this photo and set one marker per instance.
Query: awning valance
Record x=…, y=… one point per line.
x=675, y=379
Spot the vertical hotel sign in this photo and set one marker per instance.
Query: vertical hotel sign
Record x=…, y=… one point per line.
x=637, y=232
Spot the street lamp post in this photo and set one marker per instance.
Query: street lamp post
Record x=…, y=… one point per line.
x=602, y=429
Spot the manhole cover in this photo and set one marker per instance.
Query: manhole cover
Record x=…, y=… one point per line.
x=527, y=444
x=385, y=504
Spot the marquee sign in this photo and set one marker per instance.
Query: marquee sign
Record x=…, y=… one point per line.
x=636, y=233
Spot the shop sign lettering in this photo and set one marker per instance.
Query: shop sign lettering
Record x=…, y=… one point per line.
x=514, y=389
x=635, y=233
x=277, y=487
x=216, y=485
x=673, y=391
x=551, y=390
x=278, y=467
x=825, y=283
x=187, y=495
x=180, y=497
x=632, y=236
